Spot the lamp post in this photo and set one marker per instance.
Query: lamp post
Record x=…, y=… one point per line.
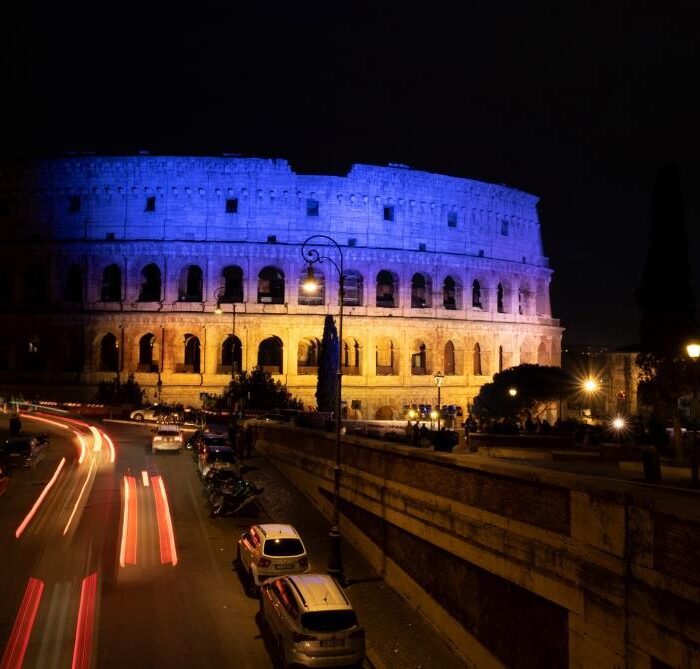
x=219, y=295
x=693, y=350
x=591, y=387
x=438, y=377
x=313, y=251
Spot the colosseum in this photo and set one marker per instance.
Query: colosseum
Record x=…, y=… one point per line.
x=114, y=266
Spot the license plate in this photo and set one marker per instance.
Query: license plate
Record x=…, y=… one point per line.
x=331, y=643
x=284, y=566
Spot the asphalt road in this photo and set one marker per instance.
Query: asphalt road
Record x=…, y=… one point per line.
x=148, y=612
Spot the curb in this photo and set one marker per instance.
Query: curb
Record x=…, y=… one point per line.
x=372, y=660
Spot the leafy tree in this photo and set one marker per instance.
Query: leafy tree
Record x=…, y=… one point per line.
x=667, y=304
x=114, y=393
x=327, y=387
x=255, y=390
x=535, y=385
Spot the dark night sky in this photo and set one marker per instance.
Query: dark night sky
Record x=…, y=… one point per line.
x=578, y=103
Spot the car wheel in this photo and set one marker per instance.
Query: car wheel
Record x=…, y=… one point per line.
x=252, y=587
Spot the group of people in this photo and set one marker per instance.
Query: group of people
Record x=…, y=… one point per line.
x=421, y=437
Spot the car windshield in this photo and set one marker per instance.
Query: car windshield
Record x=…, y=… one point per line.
x=329, y=621
x=167, y=433
x=283, y=547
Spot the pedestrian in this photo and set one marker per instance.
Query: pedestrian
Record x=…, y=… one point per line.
x=248, y=440
x=416, y=435
x=424, y=436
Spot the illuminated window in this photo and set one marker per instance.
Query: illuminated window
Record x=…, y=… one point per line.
x=452, y=219
x=151, y=203
x=312, y=207
x=353, y=289
x=74, y=204
x=389, y=213
x=192, y=355
x=232, y=205
x=387, y=288
x=421, y=288
x=271, y=286
x=451, y=297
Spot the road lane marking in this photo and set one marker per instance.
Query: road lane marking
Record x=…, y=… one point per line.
x=166, y=536
x=84, y=627
x=144, y=478
x=40, y=499
x=127, y=552
x=19, y=638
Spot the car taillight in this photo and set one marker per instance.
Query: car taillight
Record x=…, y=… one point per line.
x=264, y=562
x=304, y=562
x=298, y=636
x=357, y=634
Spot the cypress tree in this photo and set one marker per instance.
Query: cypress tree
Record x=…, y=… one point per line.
x=667, y=303
x=327, y=386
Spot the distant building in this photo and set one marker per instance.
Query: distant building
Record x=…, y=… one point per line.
x=110, y=266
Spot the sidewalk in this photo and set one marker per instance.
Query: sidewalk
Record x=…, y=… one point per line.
x=398, y=637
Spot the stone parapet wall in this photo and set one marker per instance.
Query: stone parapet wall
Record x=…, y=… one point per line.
x=518, y=566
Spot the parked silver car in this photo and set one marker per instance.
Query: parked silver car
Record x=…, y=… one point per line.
x=311, y=621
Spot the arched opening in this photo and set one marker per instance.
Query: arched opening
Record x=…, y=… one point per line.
x=233, y=284
x=318, y=297
x=476, y=295
x=149, y=290
x=74, y=284
x=270, y=355
x=192, y=351
x=109, y=353
x=524, y=300
x=190, y=285
x=421, y=288
x=352, y=358
x=231, y=355
x=387, y=289
x=476, y=362
x=500, y=299
x=36, y=286
x=308, y=353
x=542, y=354
x=353, y=289
x=146, y=345
x=449, y=359
x=500, y=358
x=451, y=297
x=35, y=355
x=387, y=357
x=419, y=359
x=111, y=284
x=271, y=286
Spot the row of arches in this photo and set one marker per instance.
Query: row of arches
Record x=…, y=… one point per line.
x=270, y=356
x=507, y=297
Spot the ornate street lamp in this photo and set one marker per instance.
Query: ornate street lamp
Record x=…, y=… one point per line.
x=438, y=377
x=313, y=251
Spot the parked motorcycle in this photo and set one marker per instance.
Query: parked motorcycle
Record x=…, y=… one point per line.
x=215, y=478
x=232, y=496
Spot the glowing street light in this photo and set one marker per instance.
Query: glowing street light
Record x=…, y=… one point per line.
x=512, y=392
x=439, y=376
x=619, y=423
x=693, y=350
x=591, y=385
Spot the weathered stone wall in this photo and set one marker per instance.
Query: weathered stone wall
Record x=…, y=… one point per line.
x=519, y=567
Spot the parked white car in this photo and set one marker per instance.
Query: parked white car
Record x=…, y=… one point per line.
x=167, y=437
x=270, y=550
x=311, y=621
